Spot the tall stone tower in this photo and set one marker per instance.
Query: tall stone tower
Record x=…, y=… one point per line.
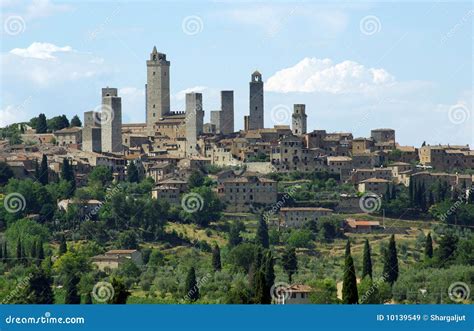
x=157, y=88
x=91, y=132
x=255, y=120
x=227, y=109
x=111, y=121
x=299, y=119
x=194, y=122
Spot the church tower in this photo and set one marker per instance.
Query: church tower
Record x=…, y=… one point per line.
x=255, y=119
x=299, y=119
x=157, y=89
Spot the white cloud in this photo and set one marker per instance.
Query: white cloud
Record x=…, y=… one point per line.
x=42, y=51
x=44, y=8
x=323, y=75
x=181, y=95
x=11, y=114
x=47, y=64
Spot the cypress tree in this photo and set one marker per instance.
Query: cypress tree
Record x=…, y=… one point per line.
x=429, y=247
x=259, y=288
x=70, y=286
x=290, y=262
x=5, y=252
x=216, y=258
x=390, y=268
x=192, y=290
x=262, y=233
x=19, y=251
x=132, y=173
x=121, y=293
x=33, y=251
x=269, y=272
x=394, y=192
x=349, y=283
x=1, y=253
x=255, y=268
x=40, y=251
x=62, y=245
x=367, y=261
x=41, y=125
x=348, y=248
x=43, y=173
x=37, y=170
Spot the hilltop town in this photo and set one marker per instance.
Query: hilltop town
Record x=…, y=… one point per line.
x=142, y=204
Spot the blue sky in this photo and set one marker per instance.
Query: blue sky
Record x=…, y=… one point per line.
x=356, y=66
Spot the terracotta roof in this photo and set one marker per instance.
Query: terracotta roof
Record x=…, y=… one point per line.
x=305, y=209
x=121, y=251
x=375, y=180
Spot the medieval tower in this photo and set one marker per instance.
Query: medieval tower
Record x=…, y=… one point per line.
x=157, y=89
x=299, y=119
x=223, y=120
x=111, y=121
x=255, y=119
x=194, y=122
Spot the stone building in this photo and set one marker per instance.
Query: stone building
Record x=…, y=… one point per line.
x=194, y=122
x=111, y=121
x=255, y=119
x=383, y=135
x=299, y=119
x=166, y=193
x=298, y=216
x=69, y=136
x=249, y=190
x=223, y=120
x=374, y=185
x=446, y=157
x=92, y=132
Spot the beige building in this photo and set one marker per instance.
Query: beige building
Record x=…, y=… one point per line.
x=374, y=185
x=113, y=259
x=297, y=216
x=447, y=157
x=359, y=175
x=249, y=190
x=166, y=193
x=69, y=136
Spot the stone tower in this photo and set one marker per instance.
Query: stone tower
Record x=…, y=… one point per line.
x=194, y=122
x=157, y=88
x=91, y=132
x=255, y=120
x=111, y=121
x=299, y=119
x=227, y=115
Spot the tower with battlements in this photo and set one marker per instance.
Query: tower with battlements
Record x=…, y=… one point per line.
x=255, y=118
x=157, y=88
x=299, y=119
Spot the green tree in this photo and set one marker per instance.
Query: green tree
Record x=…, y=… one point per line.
x=19, y=251
x=5, y=252
x=429, y=247
x=290, y=262
x=132, y=173
x=121, y=293
x=5, y=173
x=41, y=124
x=127, y=240
x=88, y=298
x=67, y=173
x=324, y=291
x=39, y=252
x=62, y=245
x=268, y=268
x=43, y=171
x=202, y=206
x=101, y=174
x=234, y=233
x=70, y=287
x=191, y=288
x=39, y=289
x=349, y=283
x=216, y=258
x=75, y=121
x=196, y=179
x=367, y=260
x=262, y=233
x=370, y=292
x=390, y=267
x=445, y=252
